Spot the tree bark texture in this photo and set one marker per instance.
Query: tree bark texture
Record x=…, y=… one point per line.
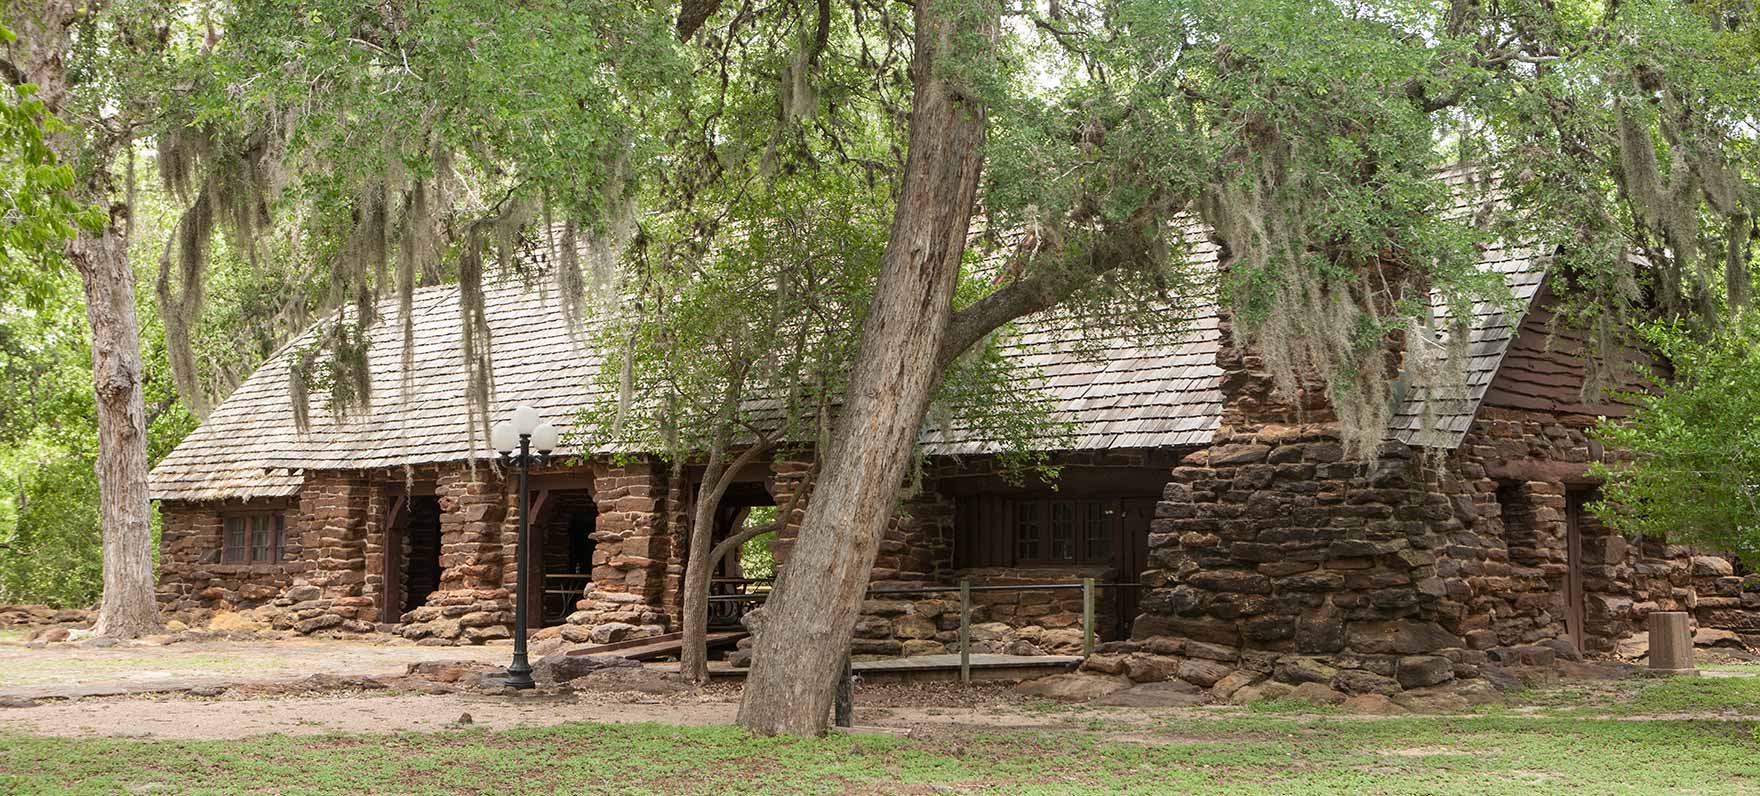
x=810, y=615
x=129, y=607
x=693, y=659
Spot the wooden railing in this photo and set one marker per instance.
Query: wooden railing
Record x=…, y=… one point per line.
x=1088, y=586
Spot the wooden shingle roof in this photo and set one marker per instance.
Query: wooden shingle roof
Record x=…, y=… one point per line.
x=1452, y=408
x=1143, y=391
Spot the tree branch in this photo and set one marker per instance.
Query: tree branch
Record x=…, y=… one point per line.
x=821, y=33
x=733, y=541
x=691, y=16
x=1046, y=287
x=10, y=72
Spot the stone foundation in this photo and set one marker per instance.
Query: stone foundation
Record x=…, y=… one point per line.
x=1245, y=675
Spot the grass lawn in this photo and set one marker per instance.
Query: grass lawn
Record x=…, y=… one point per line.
x=1237, y=755
x=1709, y=697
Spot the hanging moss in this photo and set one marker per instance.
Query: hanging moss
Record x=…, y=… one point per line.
x=1319, y=318
x=227, y=184
x=1700, y=254
x=474, y=342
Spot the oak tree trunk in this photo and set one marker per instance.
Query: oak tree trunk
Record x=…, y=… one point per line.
x=693, y=659
x=129, y=608
x=809, y=617
x=45, y=44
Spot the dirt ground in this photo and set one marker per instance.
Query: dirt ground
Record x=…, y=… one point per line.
x=187, y=717
x=143, y=691
x=61, y=671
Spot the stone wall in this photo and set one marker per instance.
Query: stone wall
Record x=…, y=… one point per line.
x=1523, y=470
x=1271, y=541
x=319, y=586
x=1272, y=544
x=193, y=584
x=1727, y=599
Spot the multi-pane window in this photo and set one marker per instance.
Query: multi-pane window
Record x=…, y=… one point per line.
x=1063, y=531
x=1028, y=525
x=252, y=538
x=997, y=531
x=1097, y=531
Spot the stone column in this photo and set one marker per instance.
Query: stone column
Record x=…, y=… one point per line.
x=331, y=594
x=471, y=605
x=787, y=478
x=630, y=556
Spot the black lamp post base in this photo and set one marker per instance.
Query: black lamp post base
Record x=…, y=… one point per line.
x=519, y=675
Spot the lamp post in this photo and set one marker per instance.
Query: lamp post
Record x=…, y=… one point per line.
x=525, y=432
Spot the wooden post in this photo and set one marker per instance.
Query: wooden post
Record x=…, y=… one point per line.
x=1671, y=648
x=1087, y=617
x=965, y=632
x=845, y=710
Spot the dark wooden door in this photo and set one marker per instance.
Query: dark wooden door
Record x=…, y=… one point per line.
x=1134, y=517
x=533, y=582
x=1573, y=580
x=391, y=598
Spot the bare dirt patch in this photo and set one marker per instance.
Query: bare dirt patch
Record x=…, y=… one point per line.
x=197, y=718
x=69, y=670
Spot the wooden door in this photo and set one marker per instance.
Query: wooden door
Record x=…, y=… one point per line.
x=1573, y=581
x=533, y=582
x=391, y=597
x=1133, y=553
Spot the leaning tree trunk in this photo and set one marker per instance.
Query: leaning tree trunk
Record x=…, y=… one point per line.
x=718, y=475
x=129, y=608
x=798, y=655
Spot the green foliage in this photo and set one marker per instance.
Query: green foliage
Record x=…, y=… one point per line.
x=404, y=146
x=1694, y=472
x=39, y=211
x=1307, y=135
x=48, y=489
x=1624, y=138
x=756, y=559
x=748, y=334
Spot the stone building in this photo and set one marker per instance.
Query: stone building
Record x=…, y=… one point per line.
x=1215, y=513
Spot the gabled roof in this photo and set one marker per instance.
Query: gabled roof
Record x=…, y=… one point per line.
x=1453, y=408
x=1147, y=391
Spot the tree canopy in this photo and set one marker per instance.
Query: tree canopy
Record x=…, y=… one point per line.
x=749, y=195
x=1690, y=456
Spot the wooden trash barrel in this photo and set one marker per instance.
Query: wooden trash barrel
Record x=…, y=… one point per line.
x=1671, y=646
